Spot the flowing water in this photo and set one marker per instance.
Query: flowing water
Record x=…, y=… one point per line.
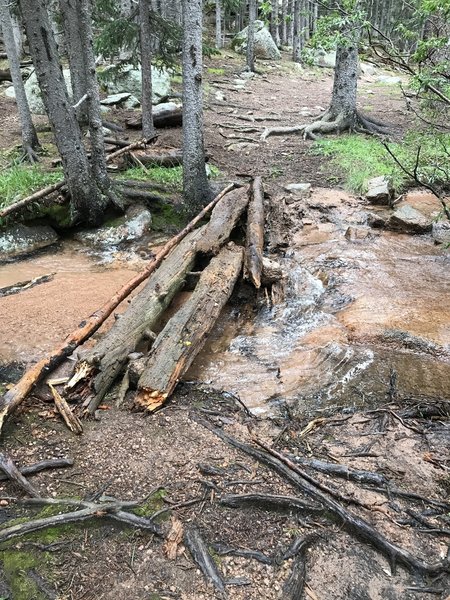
x=354, y=313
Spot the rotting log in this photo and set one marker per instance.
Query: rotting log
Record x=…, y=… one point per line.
x=108, y=358
x=172, y=117
x=15, y=396
x=223, y=220
x=184, y=335
x=255, y=234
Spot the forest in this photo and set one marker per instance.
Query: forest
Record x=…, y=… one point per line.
x=224, y=299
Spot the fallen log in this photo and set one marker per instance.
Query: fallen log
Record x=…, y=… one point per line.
x=184, y=335
x=33, y=198
x=223, y=220
x=108, y=358
x=172, y=117
x=352, y=523
x=294, y=585
x=15, y=396
x=159, y=157
x=55, y=463
x=21, y=286
x=13, y=473
x=199, y=551
x=255, y=234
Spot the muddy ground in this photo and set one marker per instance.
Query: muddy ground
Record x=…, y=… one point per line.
x=170, y=458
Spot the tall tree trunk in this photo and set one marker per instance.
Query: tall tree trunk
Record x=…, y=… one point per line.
x=17, y=27
x=343, y=99
x=290, y=25
x=284, y=14
x=87, y=201
x=69, y=14
x=195, y=182
x=148, y=128
x=296, y=42
x=275, y=22
x=251, y=35
x=218, y=24
x=30, y=141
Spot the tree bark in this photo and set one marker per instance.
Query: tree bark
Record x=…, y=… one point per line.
x=251, y=35
x=185, y=334
x=87, y=201
x=172, y=117
x=255, y=234
x=218, y=24
x=343, y=99
x=196, y=187
x=148, y=127
x=30, y=141
x=275, y=22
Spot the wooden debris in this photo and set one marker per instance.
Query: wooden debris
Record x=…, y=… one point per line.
x=71, y=420
x=272, y=272
x=255, y=234
x=55, y=463
x=21, y=286
x=223, y=220
x=184, y=335
x=224, y=550
x=174, y=538
x=159, y=157
x=294, y=586
x=13, y=473
x=15, y=396
x=197, y=547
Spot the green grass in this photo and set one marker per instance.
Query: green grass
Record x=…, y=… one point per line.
x=216, y=71
x=172, y=177
x=20, y=181
x=358, y=158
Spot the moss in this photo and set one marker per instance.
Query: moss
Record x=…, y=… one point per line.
x=176, y=79
x=153, y=504
x=59, y=215
x=167, y=217
x=16, y=565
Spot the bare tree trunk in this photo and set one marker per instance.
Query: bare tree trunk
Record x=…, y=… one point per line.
x=148, y=128
x=30, y=141
x=87, y=201
x=275, y=22
x=251, y=36
x=290, y=25
x=343, y=99
x=218, y=24
x=17, y=28
x=284, y=13
x=195, y=182
x=74, y=49
x=296, y=45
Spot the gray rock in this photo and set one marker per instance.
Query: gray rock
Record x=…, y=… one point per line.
x=247, y=75
x=357, y=234
x=131, y=103
x=325, y=59
x=377, y=220
x=129, y=228
x=265, y=47
x=441, y=232
x=33, y=92
x=388, y=80
x=19, y=240
x=298, y=191
x=130, y=80
x=165, y=106
x=220, y=96
x=409, y=220
x=367, y=68
x=380, y=191
x=115, y=99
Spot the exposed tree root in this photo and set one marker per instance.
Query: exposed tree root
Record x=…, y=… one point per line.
x=331, y=123
x=197, y=547
x=56, y=463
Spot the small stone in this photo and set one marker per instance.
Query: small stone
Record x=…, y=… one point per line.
x=409, y=220
x=357, y=234
x=380, y=191
x=388, y=80
x=297, y=191
x=220, y=96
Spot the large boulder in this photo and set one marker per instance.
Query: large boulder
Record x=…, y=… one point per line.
x=33, y=92
x=322, y=58
x=19, y=240
x=129, y=80
x=265, y=47
x=409, y=220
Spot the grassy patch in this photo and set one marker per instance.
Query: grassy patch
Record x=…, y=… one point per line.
x=216, y=71
x=172, y=177
x=358, y=158
x=20, y=181
x=15, y=567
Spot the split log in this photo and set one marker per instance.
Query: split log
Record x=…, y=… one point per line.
x=223, y=220
x=159, y=157
x=197, y=547
x=15, y=396
x=108, y=358
x=56, y=463
x=172, y=117
x=13, y=473
x=185, y=334
x=352, y=523
x=71, y=420
x=255, y=234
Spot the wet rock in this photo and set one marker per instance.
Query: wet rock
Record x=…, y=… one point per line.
x=377, y=220
x=130, y=80
x=297, y=191
x=409, y=220
x=325, y=59
x=129, y=228
x=247, y=75
x=441, y=232
x=19, y=240
x=265, y=47
x=357, y=234
x=115, y=99
x=380, y=191
x=33, y=92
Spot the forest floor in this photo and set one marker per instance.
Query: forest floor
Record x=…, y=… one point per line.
x=170, y=457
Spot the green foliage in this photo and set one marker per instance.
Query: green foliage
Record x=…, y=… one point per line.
x=216, y=71
x=20, y=181
x=172, y=177
x=358, y=159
